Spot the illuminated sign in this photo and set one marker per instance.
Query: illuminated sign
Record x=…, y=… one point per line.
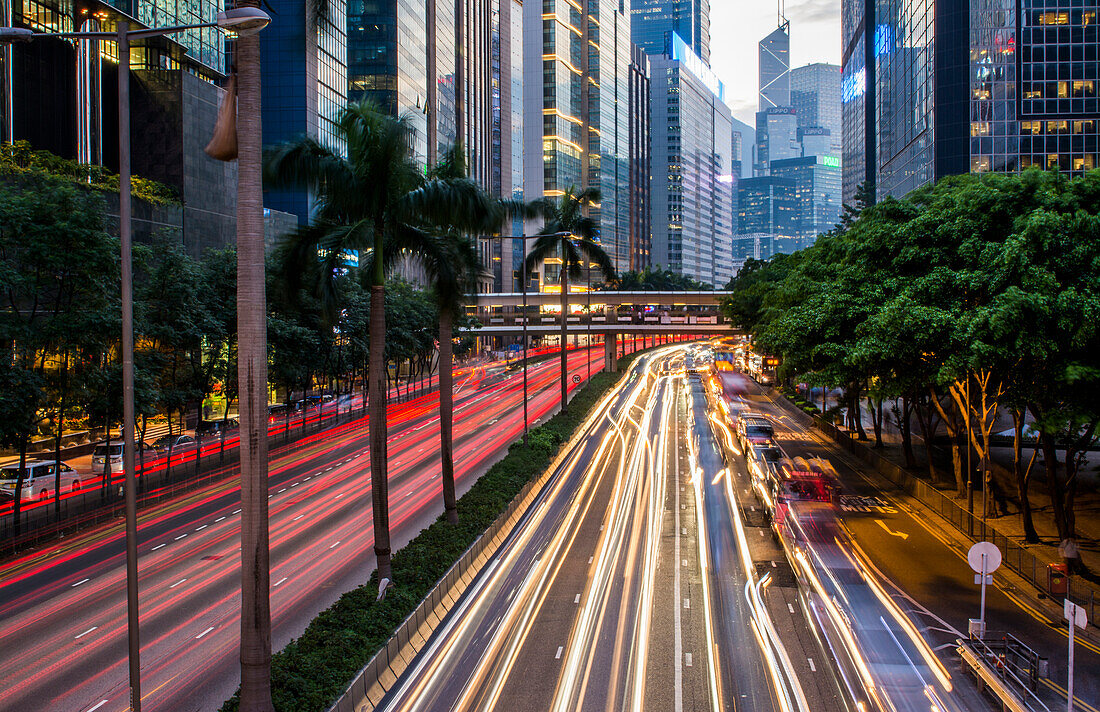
x=683, y=54
x=831, y=161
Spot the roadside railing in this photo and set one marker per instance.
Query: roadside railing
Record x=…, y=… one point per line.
x=997, y=676
x=1038, y=571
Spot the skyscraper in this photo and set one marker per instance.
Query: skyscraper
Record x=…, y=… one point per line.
x=641, y=174
x=857, y=97
x=957, y=87
x=815, y=97
x=577, y=73
x=653, y=22
x=692, y=202
x=774, y=68
x=304, y=83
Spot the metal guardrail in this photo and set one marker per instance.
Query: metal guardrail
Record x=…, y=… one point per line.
x=997, y=678
x=1016, y=557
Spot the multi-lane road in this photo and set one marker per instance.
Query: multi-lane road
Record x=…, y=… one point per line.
x=63, y=609
x=629, y=584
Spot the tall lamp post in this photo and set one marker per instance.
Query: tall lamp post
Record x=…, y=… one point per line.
x=241, y=21
x=523, y=291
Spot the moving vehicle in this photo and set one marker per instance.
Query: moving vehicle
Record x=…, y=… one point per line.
x=173, y=443
x=113, y=453
x=39, y=479
x=207, y=428
x=798, y=480
x=754, y=429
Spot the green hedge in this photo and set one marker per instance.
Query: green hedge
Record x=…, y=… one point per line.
x=312, y=671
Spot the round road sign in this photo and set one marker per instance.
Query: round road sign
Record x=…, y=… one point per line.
x=576, y=378
x=991, y=553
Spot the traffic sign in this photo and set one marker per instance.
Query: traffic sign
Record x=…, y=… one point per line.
x=1074, y=614
x=576, y=378
x=992, y=558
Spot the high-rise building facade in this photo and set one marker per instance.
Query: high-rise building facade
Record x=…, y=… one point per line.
x=641, y=178
x=857, y=97
x=766, y=218
x=654, y=21
x=692, y=201
x=304, y=83
x=581, y=62
x=815, y=97
x=61, y=97
x=815, y=195
x=774, y=69
x=957, y=87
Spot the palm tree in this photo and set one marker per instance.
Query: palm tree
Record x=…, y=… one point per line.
x=376, y=201
x=571, y=234
x=252, y=379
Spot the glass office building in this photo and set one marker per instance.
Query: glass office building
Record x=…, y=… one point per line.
x=857, y=97
x=815, y=195
x=581, y=62
x=692, y=198
x=815, y=97
x=641, y=230
x=766, y=218
x=304, y=84
x=774, y=67
x=652, y=23
x=979, y=86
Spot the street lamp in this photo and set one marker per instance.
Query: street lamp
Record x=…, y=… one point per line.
x=242, y=22
x=523, y=290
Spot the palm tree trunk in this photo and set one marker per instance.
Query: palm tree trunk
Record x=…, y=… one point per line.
x=376, y=423
x=446, y=412
x=564, y=333
x=252, y=388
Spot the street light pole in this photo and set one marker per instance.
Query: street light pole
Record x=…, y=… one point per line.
x=128, y=439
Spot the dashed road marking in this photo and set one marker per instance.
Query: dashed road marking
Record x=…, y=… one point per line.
x=339, y=495
x=687, y=659
x=577, y=598
x=204, y=526
x=219, y=519
x=177, y=583
x=812, y=668
x=557, y=655
x=280, y=581
x=687, y=603
x=683, y=562
x=179, y=537
x=85, y=632
x=80, y=582
x=159, y=546
x=790, y=608
x=282, y=490
x=297, y=518
x=335, y=545
x=101, y=703
x=236, y=511
x=590, y=559
x=204, y=632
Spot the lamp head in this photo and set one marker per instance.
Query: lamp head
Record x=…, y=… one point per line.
x=10, y=35
x=243, y=21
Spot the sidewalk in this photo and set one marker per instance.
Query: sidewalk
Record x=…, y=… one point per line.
x=1010, y=524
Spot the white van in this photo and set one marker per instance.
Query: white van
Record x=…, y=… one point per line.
x=103, y=453
x=39, y=481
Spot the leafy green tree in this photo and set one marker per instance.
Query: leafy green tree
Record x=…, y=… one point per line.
x=653, y=279
x=570, y=235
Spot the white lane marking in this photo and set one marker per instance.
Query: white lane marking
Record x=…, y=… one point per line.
x=683, y=530
x=335, y=545
x=557, y=655
x=204, y=632
x=280, y=581
x=790, y=608
x=85, y=632
x=282, y=490
x=270, y=496
x=577, y=598
x=683, y=562
x=80, y=582
x=687, y=659
x=308, y=478
x=339, y=495
x=296, y=484
x=159, y=546
x=219, y=519
x=177, y=583
x=236, y=511
x=297, y=518
x=93, y=709
x=204, y=526
x=179, y=537
x=812, y=668
x=590, y=559
x=327, y=469
x=687, y=603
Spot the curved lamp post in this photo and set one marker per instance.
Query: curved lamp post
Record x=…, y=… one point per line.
x=241, y=21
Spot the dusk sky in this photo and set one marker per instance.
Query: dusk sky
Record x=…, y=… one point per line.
x=736, y=27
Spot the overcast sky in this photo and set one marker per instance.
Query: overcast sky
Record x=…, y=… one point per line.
x=737, y=25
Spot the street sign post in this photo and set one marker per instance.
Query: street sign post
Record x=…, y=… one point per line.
x=1076, y=616
x=985, y=558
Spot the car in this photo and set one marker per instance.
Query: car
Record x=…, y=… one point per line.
x=209, y=428
x=173, y=443
x=104, y=454
x=763, y=456
x=39, y=480
x=754, y=430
